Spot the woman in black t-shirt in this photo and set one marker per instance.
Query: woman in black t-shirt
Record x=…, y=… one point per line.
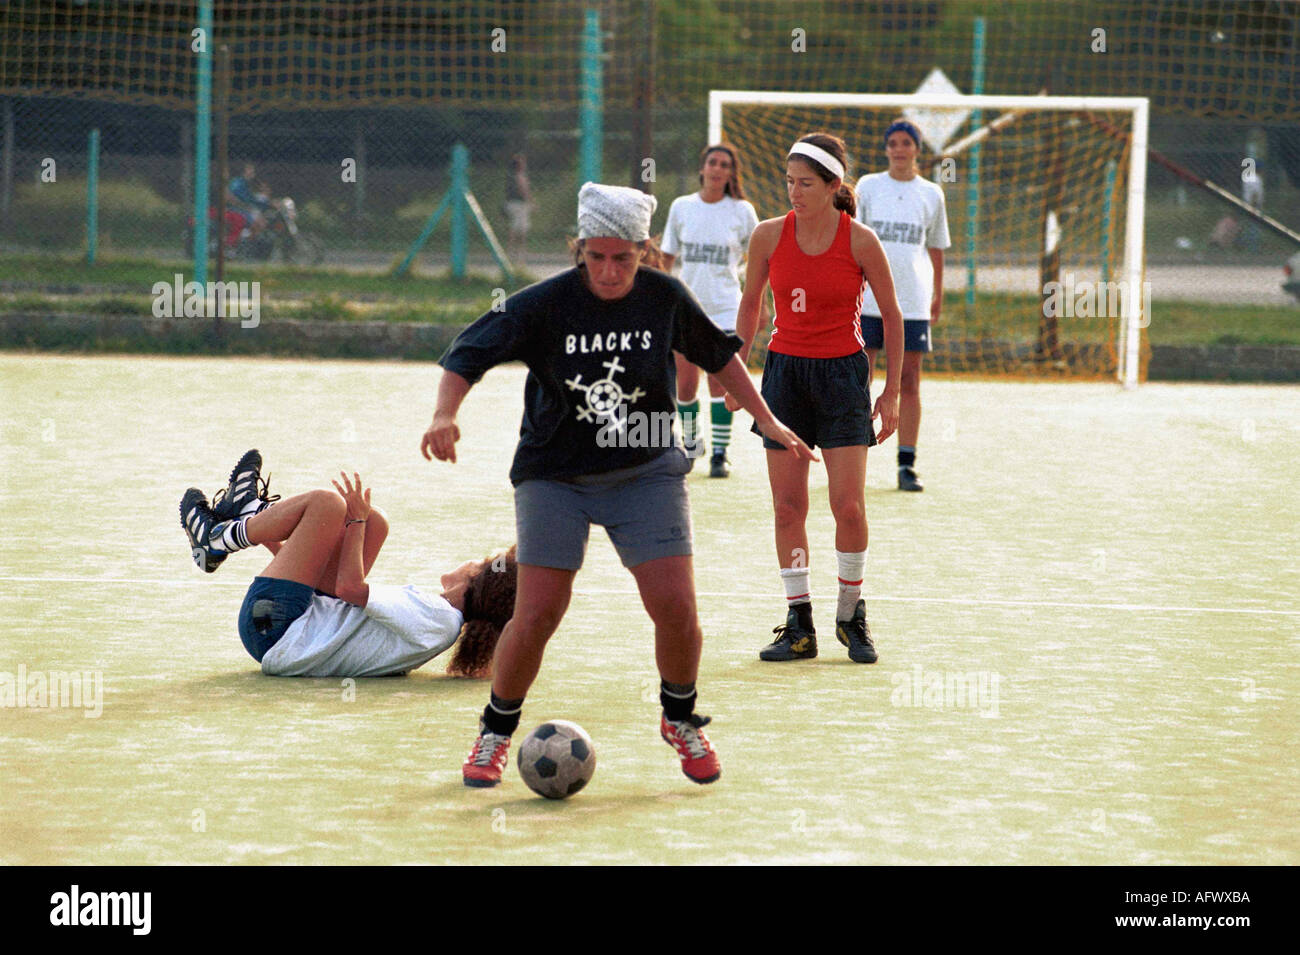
x=597, y=446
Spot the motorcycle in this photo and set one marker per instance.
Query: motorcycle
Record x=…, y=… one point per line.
x=280, y=234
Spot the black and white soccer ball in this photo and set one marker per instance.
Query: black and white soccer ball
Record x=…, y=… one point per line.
x=557, y=759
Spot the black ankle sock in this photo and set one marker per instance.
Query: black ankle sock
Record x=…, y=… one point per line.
x=502, y=716
x=678, y=700
x=803, y=616
x=906, y=458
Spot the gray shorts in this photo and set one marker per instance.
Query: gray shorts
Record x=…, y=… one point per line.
x=645, y=511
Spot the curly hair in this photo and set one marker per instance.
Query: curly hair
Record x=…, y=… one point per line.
x=489, y=605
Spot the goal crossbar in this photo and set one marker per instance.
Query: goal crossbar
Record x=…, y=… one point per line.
x=1132, y=319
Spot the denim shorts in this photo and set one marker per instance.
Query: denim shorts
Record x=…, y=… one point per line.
x=645, y=511
x=270, y=605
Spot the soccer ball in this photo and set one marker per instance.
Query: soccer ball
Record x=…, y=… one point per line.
x=557, y=759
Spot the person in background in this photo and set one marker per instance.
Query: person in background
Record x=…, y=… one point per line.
x=908, y=215
x=709, y=231
x=519, y=202
x=251, y=199
x=1252, y=186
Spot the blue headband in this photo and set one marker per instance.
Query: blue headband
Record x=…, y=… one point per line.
x=906, y=127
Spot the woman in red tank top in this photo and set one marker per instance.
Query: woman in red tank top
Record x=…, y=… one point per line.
x=817, y=379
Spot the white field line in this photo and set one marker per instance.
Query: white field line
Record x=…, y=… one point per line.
x=582, y=592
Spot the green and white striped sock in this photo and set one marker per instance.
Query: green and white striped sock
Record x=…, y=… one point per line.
x=721, y=418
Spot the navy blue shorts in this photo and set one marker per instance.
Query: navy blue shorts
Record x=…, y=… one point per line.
x=270, y=605
x=916, y=333
x=826, y=401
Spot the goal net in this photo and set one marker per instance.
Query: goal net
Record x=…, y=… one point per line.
x=1044, y=277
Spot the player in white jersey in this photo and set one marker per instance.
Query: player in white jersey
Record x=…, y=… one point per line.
x=709, y=231
x=311, y=611
x=908, y=214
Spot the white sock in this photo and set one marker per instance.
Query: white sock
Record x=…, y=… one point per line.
x=255, y=506
x=850, y=573
x=234, y=535
x=795, y=582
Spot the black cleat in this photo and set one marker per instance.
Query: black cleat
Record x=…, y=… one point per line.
x=908, y=481
x=792, y=641
x=198, y=520
x=856, y=635
x=246, y=493
x=719, y=466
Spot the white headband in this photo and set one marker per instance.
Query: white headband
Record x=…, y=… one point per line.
x=833, y=165
x=615, y=212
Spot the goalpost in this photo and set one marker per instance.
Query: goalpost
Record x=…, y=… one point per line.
x=1057, y=213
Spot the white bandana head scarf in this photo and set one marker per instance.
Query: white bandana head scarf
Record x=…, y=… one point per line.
x=614, y=212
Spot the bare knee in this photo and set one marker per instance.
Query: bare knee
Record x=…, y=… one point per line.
x=849, y=511
x=328, y=505
x=790, y=511
x=910, y=382
x=675, y=617
x=536, y=623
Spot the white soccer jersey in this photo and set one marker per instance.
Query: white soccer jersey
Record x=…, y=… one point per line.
x=910, y=218
x=711, y=238
x=399, y=629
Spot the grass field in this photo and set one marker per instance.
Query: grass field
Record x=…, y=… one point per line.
x=1121, y=568
x=124, y=287
x=42, y=285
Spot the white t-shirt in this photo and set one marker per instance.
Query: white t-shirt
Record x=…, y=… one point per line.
x=711, y=238
x=909, y=217
x=399, y=629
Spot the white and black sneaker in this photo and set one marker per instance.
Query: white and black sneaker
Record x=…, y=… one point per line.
x=200, y=523
x=246, y=492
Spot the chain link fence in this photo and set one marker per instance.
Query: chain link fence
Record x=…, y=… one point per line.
x=331, y=108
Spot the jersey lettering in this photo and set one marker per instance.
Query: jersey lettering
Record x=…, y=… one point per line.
x=706, y=253
x=611, y=341
x=906, y=233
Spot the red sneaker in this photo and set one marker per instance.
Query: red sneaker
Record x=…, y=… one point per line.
x=487, y=759
x=699, y=761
